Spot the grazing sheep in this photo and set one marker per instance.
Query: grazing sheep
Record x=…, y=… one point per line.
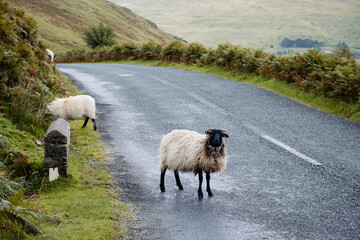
x=75, y=107
x=189, y=151
x=50, y=55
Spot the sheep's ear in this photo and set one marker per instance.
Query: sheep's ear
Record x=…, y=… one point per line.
x=208, y=131
x=225, y=135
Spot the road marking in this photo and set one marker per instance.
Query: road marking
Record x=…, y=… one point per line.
x=293, y=151
x=126, y=75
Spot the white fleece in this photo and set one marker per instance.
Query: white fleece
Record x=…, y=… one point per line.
x=74, y=107
x=183, y=150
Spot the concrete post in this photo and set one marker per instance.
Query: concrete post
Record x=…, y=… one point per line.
x=56, y=149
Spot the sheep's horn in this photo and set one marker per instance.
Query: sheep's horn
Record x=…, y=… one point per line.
x=224, y=130
x=208, y=131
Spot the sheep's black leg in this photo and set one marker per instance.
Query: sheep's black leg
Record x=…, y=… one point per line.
x=200, y=193
x=86, y=120
x=162, y=180
x=208, y=184
x=177, y=178
x=94, y=124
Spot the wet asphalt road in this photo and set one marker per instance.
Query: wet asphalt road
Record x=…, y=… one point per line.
x=293, y=172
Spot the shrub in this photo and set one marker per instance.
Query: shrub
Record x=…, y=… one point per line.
x=99, y=36
x=193, y=53
x=98, y=54
x=174, y=52
x=129, y=51
x=150, y=51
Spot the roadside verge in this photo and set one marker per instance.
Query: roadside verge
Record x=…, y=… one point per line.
x=85, y=205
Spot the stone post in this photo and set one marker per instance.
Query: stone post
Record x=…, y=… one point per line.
x=56, y=149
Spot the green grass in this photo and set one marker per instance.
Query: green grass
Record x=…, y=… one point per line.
x=336, y=107
x=85, y=205
x=85, y=201
x=21, y=142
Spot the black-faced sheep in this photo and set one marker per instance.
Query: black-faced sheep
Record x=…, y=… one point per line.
x=189, y=151
x=75, y=107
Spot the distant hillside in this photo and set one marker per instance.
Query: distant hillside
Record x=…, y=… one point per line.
x=61, y=23
x=255, y=23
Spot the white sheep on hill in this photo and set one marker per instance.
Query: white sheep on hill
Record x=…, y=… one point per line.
x=50, y=55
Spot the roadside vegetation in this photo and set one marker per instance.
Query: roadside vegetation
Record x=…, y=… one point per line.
x=330, y=82
x=82, y=206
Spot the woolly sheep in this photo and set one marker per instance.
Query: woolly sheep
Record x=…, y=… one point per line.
x=75, y=107
x=189, y=151
x=50, y=55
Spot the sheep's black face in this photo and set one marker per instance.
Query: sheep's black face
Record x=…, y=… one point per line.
x=216, y=137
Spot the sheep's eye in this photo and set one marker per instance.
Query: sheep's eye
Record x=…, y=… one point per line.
x=225, y=136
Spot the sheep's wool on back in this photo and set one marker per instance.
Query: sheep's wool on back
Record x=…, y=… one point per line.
x=184, y=150
x=73, y=108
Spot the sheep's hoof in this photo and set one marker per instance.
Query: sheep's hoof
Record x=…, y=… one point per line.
x=162, y=188
x=210, y=193
x=181, y=187
x=200, y=194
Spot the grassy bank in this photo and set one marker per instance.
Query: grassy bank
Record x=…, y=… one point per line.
x=334, y=106
x=82, y=206
x=85, y=202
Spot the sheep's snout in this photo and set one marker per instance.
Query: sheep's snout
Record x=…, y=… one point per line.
x=217, y=142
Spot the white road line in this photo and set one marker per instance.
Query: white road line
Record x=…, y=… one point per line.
x=293, y=151
x=126, y=75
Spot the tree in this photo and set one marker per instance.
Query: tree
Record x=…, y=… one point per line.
x=286, y=42
x=99, y=36
x=342, y=45
x=302, y=43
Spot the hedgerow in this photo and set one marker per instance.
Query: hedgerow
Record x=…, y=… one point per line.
x=334, y=75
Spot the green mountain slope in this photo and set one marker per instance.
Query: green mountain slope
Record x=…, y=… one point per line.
x=255, y=23
x=61, y=23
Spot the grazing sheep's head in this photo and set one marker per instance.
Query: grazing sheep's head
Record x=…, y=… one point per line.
x=53, y=106
x=215, y=137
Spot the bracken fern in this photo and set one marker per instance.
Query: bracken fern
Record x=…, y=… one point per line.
x=14, y=218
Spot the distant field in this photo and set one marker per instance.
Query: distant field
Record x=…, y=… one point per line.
x=254, y=23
